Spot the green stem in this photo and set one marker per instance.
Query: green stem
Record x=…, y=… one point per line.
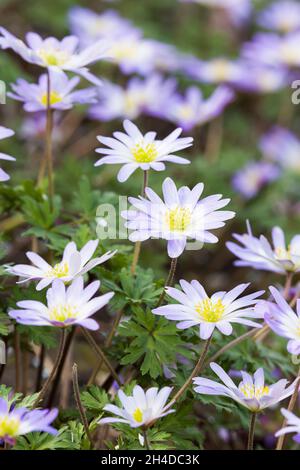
x=146, y=439
x=169, y=281
x=54, y=369
x=251, y=431
x=80, y=405
x=138, y=244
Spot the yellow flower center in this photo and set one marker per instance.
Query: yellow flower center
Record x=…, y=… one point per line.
x=123, y=51
x=186, y=112
x=54, y=98
x=290, y=53
x=63, y=312
x=221, y=69
x=53, y=57
x=144, y=153
x=254, y=392
x=178, y=219
x=59, y=270
x=138, y=415
x=9, y=426
x=210, y=311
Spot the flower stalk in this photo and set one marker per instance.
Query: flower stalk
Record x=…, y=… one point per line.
x=169, y=281
x=251, y=431
x=80, y=405
x=138, y=244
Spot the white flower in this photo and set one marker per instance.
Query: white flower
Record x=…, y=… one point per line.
x=4, y=133
x=217, y=311
x=282, y=319
x=251, y=392
x=54, y=54
x=259, y=254
x=74, y=263
x=140, y=409
x=135, y=150
x=181, y=216
x=293, y=425
x=65, y=306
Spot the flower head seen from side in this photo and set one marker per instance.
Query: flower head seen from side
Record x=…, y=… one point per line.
x=4, y=133
x=74, y=263
x=282, y=16
x=292, y=425
x=134, y=150
x=193, y=110
x=258, y=253
x=65, y=306
x=16, y=421
x=281, y=146
x=141, y=409
x=219, y=71
x=52, y=53
x=177, y=218
x=219, y=311
x=252, y=392
x=282, y=319
x=253, y=177
x=62, y=94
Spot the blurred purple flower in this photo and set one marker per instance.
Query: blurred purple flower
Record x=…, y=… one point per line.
x=282, y=16
x=293, y=425
x=238, y=10
x=283, y=147
x=249, y=180
x=35, y=96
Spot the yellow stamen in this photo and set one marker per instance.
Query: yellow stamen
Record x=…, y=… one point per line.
x=53, y=57
x=138, y=415
x=59, y=270
x=178, y=219
x=9, y=426
x=210, y=311
x=253, y=392
x=54, y=98
x=63, y=312
x=221, y=69
x=144, y=153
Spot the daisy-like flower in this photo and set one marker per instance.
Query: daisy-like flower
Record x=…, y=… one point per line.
x=4, y=133
x=16, y=421
x=65, y=306
x=62, y=94
x=282, y=319
x=293, y=425
x=252, y=392
x=274, y=50
x=193, y=110
x=219, y=311
x=220, y=70
x=141, y=409
x=258, y=253
x=253, y=177
x=135, y=150
x=283, y=147
x=54, y=54
x=74, y=263
x=282, y=16
x=178, y=218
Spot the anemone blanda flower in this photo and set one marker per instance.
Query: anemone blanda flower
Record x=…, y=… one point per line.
x=62, y=94
x=252, y=392
x=66, y=306
x=135, y=150
x=219, y=70
x=139, y=96
x=292, y=425
x=258, y=253
x=4, y=133
x=274, y=50
x=141, y=409
x=74, y=263
x=248, y=181
x=16, y=421
x=90, y=26
x=52, y=53
x=178, y=218
x=219, y=311
x=192, y=109
x=282, y=319
x=282, y=16
x=281, y=146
